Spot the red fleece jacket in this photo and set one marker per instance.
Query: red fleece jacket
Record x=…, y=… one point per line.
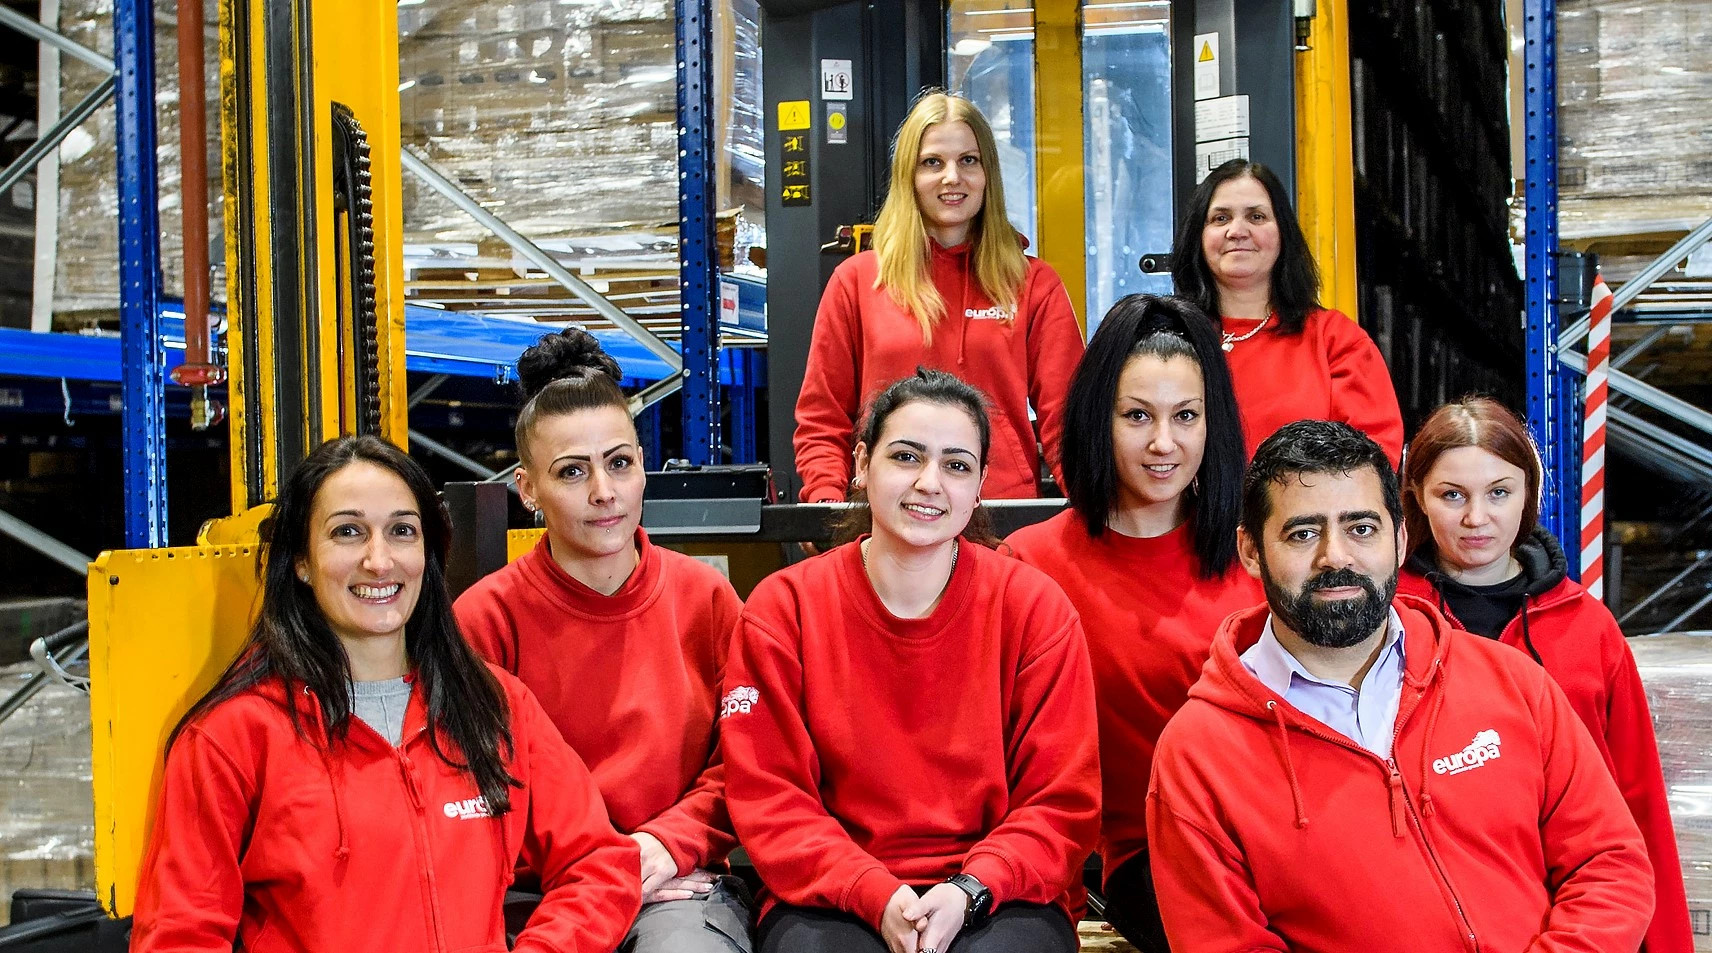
x=1494, y=826
x=1331, y=371
x=868, y=751
x=630, y=679
x=283, y=842
x=1578, y=642
x=863, y=341
x=1149, y=619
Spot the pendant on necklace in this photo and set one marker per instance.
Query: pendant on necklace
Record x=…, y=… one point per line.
x=1227, y=346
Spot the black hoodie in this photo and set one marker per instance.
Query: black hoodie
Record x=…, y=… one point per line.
x=1486, y=610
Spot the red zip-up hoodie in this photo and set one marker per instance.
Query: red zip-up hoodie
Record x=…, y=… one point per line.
x=284, y=842
x=1149, y=618
x=1576, y=638
x=1330, y=371
x=863, y=341
x=864, y=751
x=631, y=680
x=1494, y=826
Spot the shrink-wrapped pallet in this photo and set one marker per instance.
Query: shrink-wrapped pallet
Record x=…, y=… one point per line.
x=47, y=811
x=1677, y=672
x=1635, y=149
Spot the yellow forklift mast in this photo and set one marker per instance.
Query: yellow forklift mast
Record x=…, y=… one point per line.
x=315, y=312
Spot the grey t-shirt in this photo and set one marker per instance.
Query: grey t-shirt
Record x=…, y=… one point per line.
x=381, y=705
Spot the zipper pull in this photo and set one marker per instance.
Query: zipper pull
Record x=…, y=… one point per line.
x=1397, y=793
x=409, y=772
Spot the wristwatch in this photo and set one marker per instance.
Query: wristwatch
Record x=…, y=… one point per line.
x=980, y=899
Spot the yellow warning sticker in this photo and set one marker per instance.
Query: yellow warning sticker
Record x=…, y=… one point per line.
x=794, y=114
x=1206, y=53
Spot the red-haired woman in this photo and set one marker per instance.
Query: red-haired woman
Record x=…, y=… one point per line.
x=1471, y=490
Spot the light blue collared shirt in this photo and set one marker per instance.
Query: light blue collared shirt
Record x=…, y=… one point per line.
x=1364, y=715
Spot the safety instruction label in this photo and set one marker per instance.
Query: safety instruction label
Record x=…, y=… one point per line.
x=1223, y=118
x=1211, y=155
x=837, y=123
x=837, y=80
x=794, y=115
x=794, y=177
x=1206, y=65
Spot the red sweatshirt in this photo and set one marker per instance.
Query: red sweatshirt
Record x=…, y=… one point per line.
x=869, y=751
x=1582, y=649
x=284, y=843
x=631, y=679
x=863, y=341
x=1493, y=827
x=1331, y=371
x=1147, y=643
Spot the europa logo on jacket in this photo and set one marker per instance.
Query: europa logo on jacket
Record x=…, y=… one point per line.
x=738, y=701
x=468, y=809
x=1482, y=749
x=994, y=313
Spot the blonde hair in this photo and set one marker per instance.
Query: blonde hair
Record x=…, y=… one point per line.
x=900, y=234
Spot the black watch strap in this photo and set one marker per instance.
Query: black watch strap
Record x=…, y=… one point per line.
x=980, y=899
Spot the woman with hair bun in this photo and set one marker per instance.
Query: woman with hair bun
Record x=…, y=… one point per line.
x=910, y=717
x=1471, y=491
x=945, y=286
x=1147, y=553
x=357, y=779
x=623, y=642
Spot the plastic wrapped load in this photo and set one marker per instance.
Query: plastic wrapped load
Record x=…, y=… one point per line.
x=1635, y=150
x=47, y=810
x=1677, y=672
x=86, y=273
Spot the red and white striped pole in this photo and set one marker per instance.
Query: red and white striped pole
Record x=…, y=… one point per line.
x=1593, y=442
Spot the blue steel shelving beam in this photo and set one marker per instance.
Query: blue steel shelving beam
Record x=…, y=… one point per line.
x=144, y=373
x=698, y=270
x=1553, y=412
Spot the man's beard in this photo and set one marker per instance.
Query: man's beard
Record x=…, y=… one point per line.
x=1333, y=624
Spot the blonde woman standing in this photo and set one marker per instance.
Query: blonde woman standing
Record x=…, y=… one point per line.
x=940, y=289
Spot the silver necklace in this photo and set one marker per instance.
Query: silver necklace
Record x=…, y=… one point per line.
x=1232, y=340
x=956, y=550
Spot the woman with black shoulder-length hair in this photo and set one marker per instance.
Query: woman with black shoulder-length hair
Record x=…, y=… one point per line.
x=358, y=778
x=1153, y=467
x=1241, y=257
x=909, y=718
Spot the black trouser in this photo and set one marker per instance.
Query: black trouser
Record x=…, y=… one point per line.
x=1015, y=928
x=1132, y=908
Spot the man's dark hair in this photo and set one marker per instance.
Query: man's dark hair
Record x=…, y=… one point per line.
x=1313, y=447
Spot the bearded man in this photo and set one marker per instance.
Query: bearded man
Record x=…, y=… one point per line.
x=1353, y=773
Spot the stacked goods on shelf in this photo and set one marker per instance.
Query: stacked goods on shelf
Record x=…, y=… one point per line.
x=1439, y=289
x=560, y=118
x=1677, y=672
x=1633, y=138
x=47, y=819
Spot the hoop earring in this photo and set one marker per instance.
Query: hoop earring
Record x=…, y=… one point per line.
x=1195, y=485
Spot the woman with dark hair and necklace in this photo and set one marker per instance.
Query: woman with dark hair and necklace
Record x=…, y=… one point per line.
x=1241, y=257
x=623, y=642
x=358, y=778
x=909, y=718
x=1153, y=467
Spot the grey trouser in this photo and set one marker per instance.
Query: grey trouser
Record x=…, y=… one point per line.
x=717, y=923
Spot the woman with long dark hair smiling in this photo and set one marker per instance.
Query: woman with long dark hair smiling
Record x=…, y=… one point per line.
x=358, y=778
x=1241, y=257
x=1153, y=467
x=909, y=718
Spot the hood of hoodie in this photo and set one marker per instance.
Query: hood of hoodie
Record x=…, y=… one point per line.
x=1543, y=563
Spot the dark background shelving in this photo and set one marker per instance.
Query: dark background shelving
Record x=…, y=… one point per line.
x=1438, y=283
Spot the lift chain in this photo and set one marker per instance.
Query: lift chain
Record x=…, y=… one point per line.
x=353, y=191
